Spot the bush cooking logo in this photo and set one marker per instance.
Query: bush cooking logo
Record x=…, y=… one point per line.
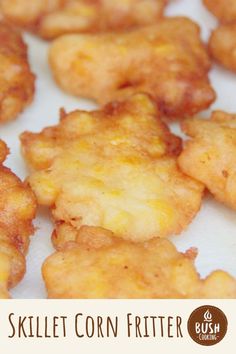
x=207, y=325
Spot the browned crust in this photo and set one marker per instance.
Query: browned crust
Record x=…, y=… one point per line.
x=16, y=78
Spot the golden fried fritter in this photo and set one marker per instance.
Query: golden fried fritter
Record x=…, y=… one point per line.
x=225, y=11
x=167, y=61
x=114, y=168
x=52, y=18
x=210, y=156
x=99, y=265
x=222, y=45
x=27, y=13
x=16, y=79
x=17, y=210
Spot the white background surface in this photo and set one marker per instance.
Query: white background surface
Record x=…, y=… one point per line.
x=213, y=231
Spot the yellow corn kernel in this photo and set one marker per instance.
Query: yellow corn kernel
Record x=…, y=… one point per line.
x=157, y=146
x=119, y=139
x=70, y=164
x=4, y=268
x=20, y=201
x=114, y=193
x=164, y=210
x=130, y=160
x=83, y=11
x=122, y=50
x=99, y=169
x=145, y=106
x=116, y=259
x=119, y=222
x=94, y=183
x=44, y=188
x=165, y=49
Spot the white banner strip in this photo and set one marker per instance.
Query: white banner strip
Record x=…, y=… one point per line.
x=111, y=326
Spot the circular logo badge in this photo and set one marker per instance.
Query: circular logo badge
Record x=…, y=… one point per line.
x=207, y=325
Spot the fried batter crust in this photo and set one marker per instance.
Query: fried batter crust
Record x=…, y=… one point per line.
x=166, y=60
x=225, y=11
x=16, y=79
x=115, y=168
x=222, y=45
x=99, y=265
x=12, y=267
x=17, y=210
x=52, y=18
x=210, y=155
